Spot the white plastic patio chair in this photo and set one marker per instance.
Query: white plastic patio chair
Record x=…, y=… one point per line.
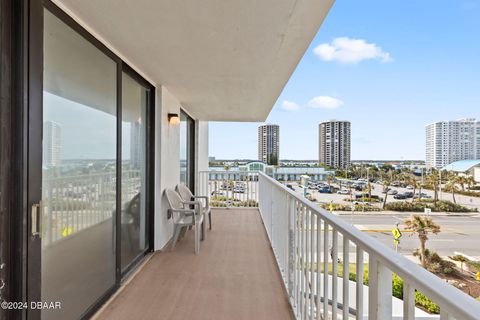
x=183, y=217
x=187, y=195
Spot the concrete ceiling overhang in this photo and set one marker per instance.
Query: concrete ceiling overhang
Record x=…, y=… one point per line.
x=224, y=60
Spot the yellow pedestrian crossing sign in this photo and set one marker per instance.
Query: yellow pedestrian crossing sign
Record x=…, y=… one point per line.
x=397, y=234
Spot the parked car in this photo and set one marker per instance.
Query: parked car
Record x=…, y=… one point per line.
x=409, y=187
x=238, y=190
x=324, y=190
x=392, y=192
x=409, y=194
x=343, y=191
x=218, y=193
x=422, y=196
x=400, y=196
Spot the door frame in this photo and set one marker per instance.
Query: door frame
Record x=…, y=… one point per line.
x=28, y=78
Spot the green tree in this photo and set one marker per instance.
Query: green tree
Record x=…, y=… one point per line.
x=422, y=226
x=452, y=181
x=386, y=185
x=433, y=179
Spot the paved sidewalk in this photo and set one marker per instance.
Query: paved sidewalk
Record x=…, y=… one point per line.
x=452, y=214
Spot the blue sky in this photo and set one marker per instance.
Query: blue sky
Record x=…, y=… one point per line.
x=389, y=67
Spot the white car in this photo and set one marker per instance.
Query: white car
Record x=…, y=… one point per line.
x=343, y=191
x=392, y=192
x=410, y=187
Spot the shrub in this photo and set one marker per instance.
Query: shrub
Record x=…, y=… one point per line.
x=367, y=199
x=397, y=286
x=344, y=207
x=397, y=291
x=427, y=304
x=419, y=206
x=473, y=266
x=435, y=263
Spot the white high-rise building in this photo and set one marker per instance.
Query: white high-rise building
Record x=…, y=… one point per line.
x=449, y=141
x=268, y=143
x=52, y=144
x=334, y=143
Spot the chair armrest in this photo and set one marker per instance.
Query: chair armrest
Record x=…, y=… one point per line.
x=203, y=197
x=170, y=212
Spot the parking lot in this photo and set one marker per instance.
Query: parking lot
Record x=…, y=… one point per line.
x=467, y=201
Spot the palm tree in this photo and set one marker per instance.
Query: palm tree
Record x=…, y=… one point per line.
x=462, y=181
x=329, y=180
x=422, y=225
x=386, y=185
x=410, y=179
x=470, y=181
x=369, y=188
x=453, y=179
x=433, y=179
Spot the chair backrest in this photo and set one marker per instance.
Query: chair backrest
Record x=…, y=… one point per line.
x=184, y=192
x=174, y=199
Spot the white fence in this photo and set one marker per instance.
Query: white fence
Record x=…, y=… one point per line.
x=229, y=188
x=74, y=203
x=307, y=240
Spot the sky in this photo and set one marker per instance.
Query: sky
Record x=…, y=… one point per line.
x=389, y=67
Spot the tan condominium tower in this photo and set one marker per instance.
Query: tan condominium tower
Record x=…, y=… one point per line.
x=334, y=143
x=268, y=143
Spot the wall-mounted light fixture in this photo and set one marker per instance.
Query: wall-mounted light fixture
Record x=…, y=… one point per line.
x=173, y=118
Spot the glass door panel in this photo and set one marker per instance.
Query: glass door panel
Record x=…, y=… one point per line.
x=79, y=171
x=133, y=212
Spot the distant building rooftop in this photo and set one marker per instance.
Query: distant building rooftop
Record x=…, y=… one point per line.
x=462, y=165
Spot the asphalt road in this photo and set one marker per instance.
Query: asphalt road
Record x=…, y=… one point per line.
x=458, y=233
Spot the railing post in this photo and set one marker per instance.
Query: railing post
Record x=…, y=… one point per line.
x=380, y=291
x=346, y=278
x=291, y=244
x=359, y=284
x=408, y=301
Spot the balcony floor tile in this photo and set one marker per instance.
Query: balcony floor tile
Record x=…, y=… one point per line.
x=234, y=277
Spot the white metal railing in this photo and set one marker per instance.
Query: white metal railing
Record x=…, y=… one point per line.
x=229, y=188
x=308, y=240
x=71, y=204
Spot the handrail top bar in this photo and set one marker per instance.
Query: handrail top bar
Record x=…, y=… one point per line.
x=224, y=171
x=454, y=301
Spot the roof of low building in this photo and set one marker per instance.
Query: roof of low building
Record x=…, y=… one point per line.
x=462, y=165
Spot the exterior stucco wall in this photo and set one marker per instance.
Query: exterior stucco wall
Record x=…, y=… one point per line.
x=167, y=159
x=167, y=162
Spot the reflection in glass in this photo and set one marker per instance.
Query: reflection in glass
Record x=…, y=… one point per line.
x=187, y=128
x=134, y=108
x=79, y=171
x=183, y=148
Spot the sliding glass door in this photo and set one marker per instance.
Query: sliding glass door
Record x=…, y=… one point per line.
x=79, y=186
x=134, y=159
x=94, y=210
x=187, y=150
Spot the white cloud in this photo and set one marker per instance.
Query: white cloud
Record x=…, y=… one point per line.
x=350, y=51
x=290, y=106
x=325, y=102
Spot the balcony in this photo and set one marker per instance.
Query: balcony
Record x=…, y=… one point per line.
x=234, y=277
x=268, y=263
